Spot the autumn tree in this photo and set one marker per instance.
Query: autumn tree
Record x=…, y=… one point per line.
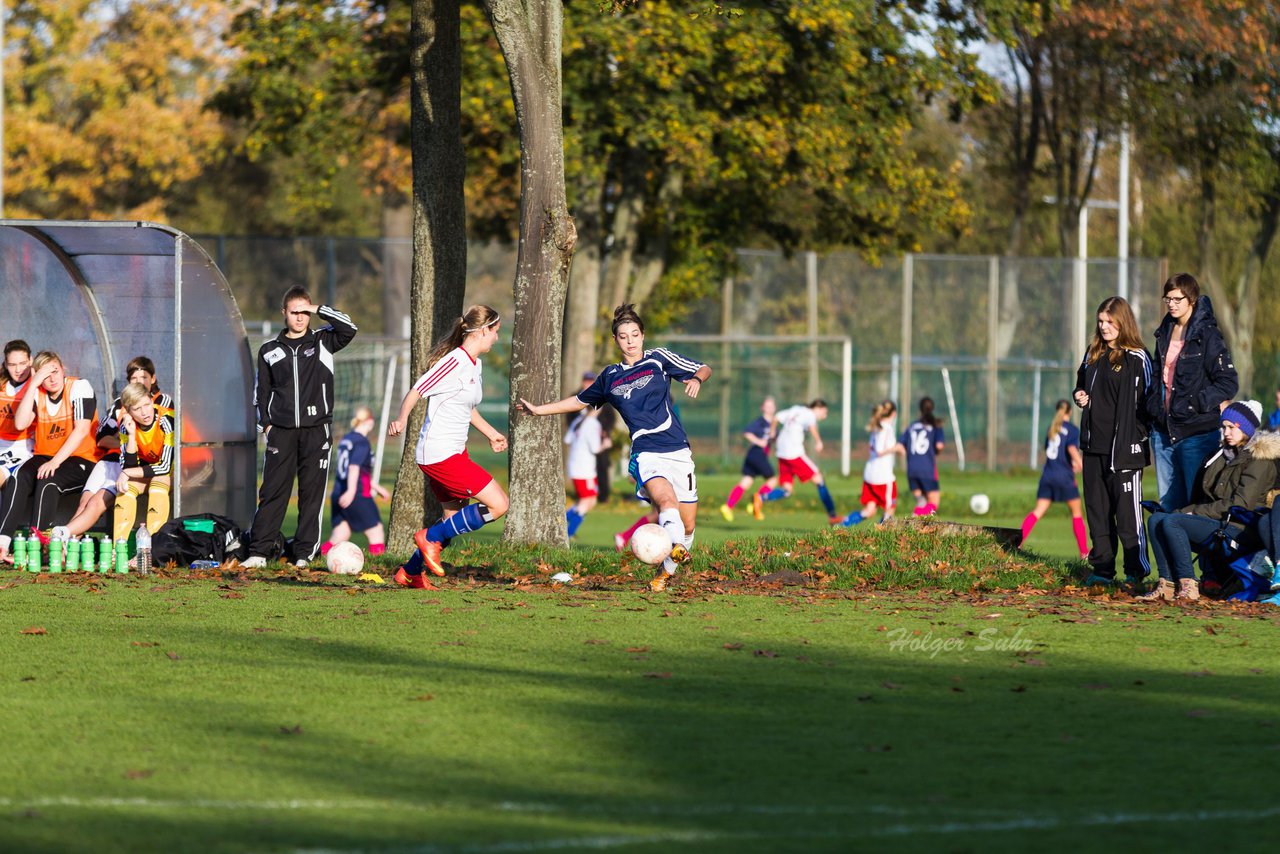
x=104, y=105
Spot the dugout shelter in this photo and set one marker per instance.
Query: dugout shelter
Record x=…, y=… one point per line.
x=99, y=294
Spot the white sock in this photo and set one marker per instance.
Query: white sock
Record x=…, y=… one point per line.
x=672, y=523
x=688, y=541
x=669, y=566
x=5, y=542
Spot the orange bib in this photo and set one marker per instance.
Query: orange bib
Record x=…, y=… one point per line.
x=53, y=430
x=8, y=405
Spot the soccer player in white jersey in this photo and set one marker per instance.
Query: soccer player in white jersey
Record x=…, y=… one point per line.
x=585, y=439
x=793, y=464
x=452, y=387
x=639, y=387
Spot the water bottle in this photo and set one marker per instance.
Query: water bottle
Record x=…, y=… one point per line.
x=20, y=551
x=106, y=558
x=144, y=551
x=33, y=554
x=73, y=555
x=122, y=556
x=55, y=555
x=86, y=554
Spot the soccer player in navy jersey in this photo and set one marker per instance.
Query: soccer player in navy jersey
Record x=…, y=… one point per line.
x=1062, y=461
x=639, y=388
x=756, y=463
x=923, y=441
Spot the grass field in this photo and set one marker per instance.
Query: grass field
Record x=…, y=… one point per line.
x=299, y=712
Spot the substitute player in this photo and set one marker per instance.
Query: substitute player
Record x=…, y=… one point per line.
x=1062, y=462
x=585, y=438
x=146, y=463
x=756, y=463
x=15, y=444
x=793, y=463
x=351, y=506
x=453, y=389
x=639, y=387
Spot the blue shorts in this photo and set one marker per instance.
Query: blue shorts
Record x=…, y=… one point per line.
x=362, y=514
x=1055, y=491
x=756, y=464
x=924, y=484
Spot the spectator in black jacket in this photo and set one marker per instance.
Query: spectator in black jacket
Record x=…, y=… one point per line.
x=1195, y=380
x=293, y=396
x=1112, y=387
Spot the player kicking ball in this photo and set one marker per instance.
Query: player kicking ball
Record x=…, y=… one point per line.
x=639, y=387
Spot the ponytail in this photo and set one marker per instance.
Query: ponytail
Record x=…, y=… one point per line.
x=362, y=413
x=881, y=411
x=1061, y=413
x=475, y=318
x=926, y=413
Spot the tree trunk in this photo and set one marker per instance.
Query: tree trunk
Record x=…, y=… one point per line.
x=582, y=313
x=529, y=32
x=439, y=229
x=1238, y=319
x=651, y=261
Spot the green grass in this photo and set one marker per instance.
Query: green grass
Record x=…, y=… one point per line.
x=283, y=714
x=919, y=688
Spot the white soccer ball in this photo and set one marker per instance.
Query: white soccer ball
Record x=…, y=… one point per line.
x=345, y=558
x=980, y=504
x=651, y=544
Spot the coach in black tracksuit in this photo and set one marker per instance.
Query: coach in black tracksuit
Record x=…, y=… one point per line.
x=293, y=396
x=1112, y=387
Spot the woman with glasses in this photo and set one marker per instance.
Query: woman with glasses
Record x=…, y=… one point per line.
x=1195, y=380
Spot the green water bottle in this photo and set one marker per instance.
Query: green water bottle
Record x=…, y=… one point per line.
x=73, y=555
x=122, y=556
x=55, y=555
x=20, y=551
x=86, y=553
x=105, y=557
x=33, y=554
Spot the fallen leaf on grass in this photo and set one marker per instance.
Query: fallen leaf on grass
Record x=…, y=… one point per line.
x=637, y=649
x=596, y=641
x=864, y=698
x=173, y=656
x=733, y=646
x=765, y=653
x=33, y=630
x=138, y=773
x=657, y=675
x=1019, y=689
x=233, y=595
x=262, y=629
x=424, y=698
x=1198, y=673
x=143, y=643
x=291, y=730
x=892, y=686
x=28, y=679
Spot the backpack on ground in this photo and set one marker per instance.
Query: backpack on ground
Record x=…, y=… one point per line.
x=206, y=536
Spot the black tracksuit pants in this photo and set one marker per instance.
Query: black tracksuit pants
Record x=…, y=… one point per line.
x=292, y=452
x=1112, y=505
x=27, y=500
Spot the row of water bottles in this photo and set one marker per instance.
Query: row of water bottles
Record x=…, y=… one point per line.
x=78, y=555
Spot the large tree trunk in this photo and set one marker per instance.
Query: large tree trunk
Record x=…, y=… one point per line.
x=651, y=261
x=439, y=229
x=529, y=32
x=1239, y=317
x=582, y=313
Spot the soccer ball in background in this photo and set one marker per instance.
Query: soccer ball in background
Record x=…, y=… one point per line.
x=980, y=504
x=651, y=544
x=345, y=558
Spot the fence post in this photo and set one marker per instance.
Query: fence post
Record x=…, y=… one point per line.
x=908, y=272
x=811, y=281
x=331, y=270
x=726, y=324
x=993, y=358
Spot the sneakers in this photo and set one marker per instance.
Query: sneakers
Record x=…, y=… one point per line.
x=301, y=564
x=835, y=520
x=619, y=542
x=1187, y=590
x=416, y=582
x=925, y=510
x=679, y=554
x=1162, y=592
x=852, y=519
x=254, y=562
x=659, y=582
x=1096, y=580
x=757, y=507
x=727, y=512
x=430, y=552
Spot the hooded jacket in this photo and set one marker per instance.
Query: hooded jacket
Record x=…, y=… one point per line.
x=1203, y=377
x=1242, y=481
x=1130, y=448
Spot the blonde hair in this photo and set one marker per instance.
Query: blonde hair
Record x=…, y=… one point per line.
x=1061, y=414
x=1128, y=337
x=363, y=413
x=474, y=319
x=43, y=358
x=882, y=410
x=134, y=394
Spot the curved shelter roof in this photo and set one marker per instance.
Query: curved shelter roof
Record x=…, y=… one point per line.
x=101, y=293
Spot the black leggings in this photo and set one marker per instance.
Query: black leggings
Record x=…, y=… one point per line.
x=27, y=501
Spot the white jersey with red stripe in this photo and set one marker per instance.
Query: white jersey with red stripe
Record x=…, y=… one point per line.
x=453, y=390
x=793, y=423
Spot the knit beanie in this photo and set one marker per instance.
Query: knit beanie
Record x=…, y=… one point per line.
x=1245, y=414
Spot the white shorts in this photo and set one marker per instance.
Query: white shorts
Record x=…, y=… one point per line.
x=13, y=453
x=676, y=467
x=104, y=476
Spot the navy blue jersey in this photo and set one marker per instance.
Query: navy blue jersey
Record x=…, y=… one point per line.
x=758, y=428
x=1057, y=462
x=642, y=395
x=921, y=441
x=354, y=450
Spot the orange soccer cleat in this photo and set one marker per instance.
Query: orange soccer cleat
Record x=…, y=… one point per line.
x=430, y=552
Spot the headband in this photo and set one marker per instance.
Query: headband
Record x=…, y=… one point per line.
x=496, y=318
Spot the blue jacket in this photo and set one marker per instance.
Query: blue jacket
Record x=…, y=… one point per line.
x=1203, y=377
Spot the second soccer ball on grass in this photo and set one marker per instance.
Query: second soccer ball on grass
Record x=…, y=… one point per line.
x=651, y=544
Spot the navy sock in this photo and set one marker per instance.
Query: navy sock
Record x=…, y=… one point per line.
x=470, y=518
x=775, y=494
x=825, y=495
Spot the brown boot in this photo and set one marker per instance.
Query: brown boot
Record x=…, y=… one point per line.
x=1188, y=591
x=1162, y=592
